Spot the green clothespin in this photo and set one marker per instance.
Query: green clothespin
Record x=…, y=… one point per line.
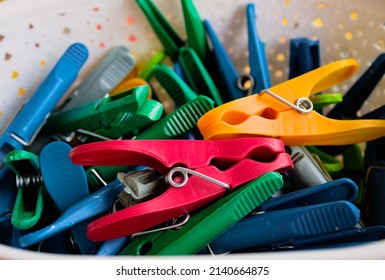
x=331, y=164
x=146, y=72
x=196, y=33
x=325, y=99
x=172, y=126
x=29, y=202
x=207, y=224
x=197, y=74
x=112, y=116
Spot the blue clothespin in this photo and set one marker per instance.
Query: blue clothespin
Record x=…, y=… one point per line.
x=28, y=122
x=304, y=56
x=355, y=97
x=259, y=73
x=315, y=210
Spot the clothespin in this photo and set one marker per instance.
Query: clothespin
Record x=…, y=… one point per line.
x=85, y=209
x=268, y=113
x=192, y=57
x=172, y=126
x=30, y=119
x=204, y=226
x=66, y=184
x=112, y=116
x=259, y=73
x=307, y=212
x=31, y=192
x=339, y=239
x=216, y=165
x=106, y=75
x=355, y=97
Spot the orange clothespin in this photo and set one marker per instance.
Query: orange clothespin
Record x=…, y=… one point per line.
x=286, y=112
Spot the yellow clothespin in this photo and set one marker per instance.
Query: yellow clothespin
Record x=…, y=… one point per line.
x=286, y=112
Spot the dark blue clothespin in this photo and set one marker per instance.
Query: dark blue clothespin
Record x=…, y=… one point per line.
x=259, y=73
x=28, y=122
x=304, y=56
x=355, y=97
x=315, y=210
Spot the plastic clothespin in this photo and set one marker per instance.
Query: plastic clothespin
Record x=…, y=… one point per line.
x=339, y=239
x=207, y=224
x=130, y=84
x=259, y=73
x=355, y=97
x=172, y=126
x=85, y=209
x=113, y=116
x=66, y=184
x=146, y=72
x=312, y=211
x=268, y=113
x=304, y=56
x=32, y=116
x=214, y=165
x=31, y=192
x=106, y=75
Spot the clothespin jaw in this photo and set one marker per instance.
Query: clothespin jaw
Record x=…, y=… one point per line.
x=207, y=224
x=250, y=157
x=31, y=192
x=259, y=74
x=269, y=113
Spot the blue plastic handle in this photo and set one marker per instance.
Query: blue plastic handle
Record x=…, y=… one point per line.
x=339, y=189
x=304, y=56
x=295, y=223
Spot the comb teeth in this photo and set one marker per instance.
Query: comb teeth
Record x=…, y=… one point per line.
x=116, y=71
x=72, y=60
x=186, y=117
x=180, y=92
x=326, y=219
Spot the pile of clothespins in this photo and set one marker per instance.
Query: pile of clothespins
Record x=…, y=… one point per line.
x=239, y=166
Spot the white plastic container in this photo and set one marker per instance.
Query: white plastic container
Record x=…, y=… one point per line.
x=34, y=34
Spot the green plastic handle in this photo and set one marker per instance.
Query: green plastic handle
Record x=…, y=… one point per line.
x=180, y=121
x=197, y=75
x=176, y=88
x=196, y=33
x=147, y=71
x=207, y=224
x=330, y=163
x=166, y=34
x=325, y=99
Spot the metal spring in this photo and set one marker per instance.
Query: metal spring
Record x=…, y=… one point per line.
x=29, y=181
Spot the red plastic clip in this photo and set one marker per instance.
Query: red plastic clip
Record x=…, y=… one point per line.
x=198, y=172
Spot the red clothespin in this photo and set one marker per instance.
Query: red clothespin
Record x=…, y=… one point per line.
x=198, y=172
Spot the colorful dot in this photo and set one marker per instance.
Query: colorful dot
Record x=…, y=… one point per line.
x=30, y=26
x=283, y=40
x=7, y=56
x=349, y=35
x=132, y=38
x=321, y=5
x=66, y=30
x=278, y=73
x=21, y=91
x=102, y=45
x=37, y=45
x=1, y=113
x=296, y=25
x=286, y=3
x=318, y=23
x=130, y=20
x=15, y=74
x=96, y=9
x=2, y=37
x=285, y=21
x=281, y=57
x=42, y=63
x=354, y=16
x=99, y=27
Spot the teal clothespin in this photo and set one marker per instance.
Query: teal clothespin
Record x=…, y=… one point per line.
x=31, y=192
x=113, y=116
x=207, y=224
